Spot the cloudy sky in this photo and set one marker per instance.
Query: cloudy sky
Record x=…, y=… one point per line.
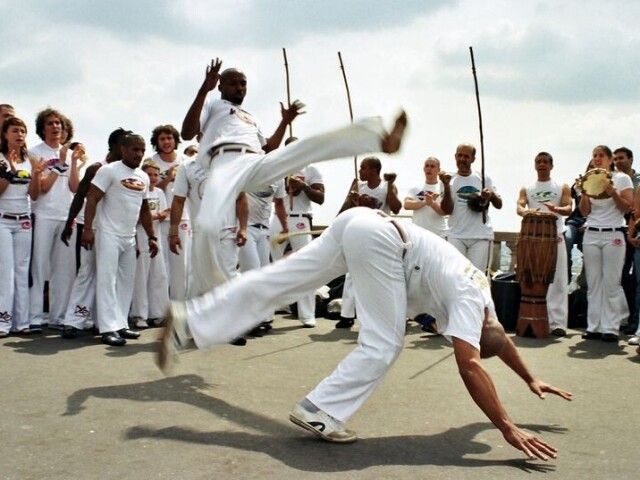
x=555, y=76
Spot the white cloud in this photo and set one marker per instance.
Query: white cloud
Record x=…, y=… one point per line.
x=553, y=76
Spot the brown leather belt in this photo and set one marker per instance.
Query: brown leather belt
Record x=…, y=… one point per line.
x=402, y=236
x=9, y=216
x=398, y=229
x=220, y=149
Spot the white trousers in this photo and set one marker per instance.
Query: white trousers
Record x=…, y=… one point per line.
x=255, y=253
x=52, y=260
x=176, y=266
x=558, y=292
x=306, y=304
x=151, y=288
x=378, y=272
x=232, y=173
x=478, y=251
x=348, y=307
x=115, y=272
x=603, y=256
x=15, y=252
x=81, y=308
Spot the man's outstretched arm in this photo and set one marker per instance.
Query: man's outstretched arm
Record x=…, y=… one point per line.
x=481, y=388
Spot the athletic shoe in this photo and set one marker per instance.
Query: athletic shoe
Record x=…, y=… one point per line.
x=155, y=322
x=322, y=424
x=35, y=328
x=344, y=323
x=174, y=337
x=308, y=322
x=634, y=340
x=141, y=323
x=69, y=331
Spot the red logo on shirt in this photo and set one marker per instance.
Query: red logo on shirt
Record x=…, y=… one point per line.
x=133, y=184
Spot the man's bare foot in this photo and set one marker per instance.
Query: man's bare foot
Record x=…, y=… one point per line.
x=391, y=143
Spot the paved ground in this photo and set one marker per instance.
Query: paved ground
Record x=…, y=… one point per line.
x=80, y=410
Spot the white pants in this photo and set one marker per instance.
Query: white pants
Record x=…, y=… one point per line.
x=348, y=307
x=54, y=261
x=306, y=304
x=202, y=263
x=15, y=252
x=232, y=173
x=255, y=253
x=151, y=289
x=115, y=272
x=558, y=292
x=478, y=251
x=603, y=254
x=176, y=266
x=380, y=292
x=82, y=302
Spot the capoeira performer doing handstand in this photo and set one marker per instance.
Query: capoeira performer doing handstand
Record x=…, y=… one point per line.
x=397, y=271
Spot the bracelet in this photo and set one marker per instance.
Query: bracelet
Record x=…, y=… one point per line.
x=174, y=230
x=152, y=238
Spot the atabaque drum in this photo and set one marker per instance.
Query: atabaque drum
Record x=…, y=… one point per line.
x=537, y=247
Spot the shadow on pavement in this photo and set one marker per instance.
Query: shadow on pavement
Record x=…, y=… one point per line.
x=294, y=447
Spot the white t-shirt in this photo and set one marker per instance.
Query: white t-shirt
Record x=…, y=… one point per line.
x=164, y=172
x=464, y=222
x=157, y=203
x=124, y=189
x=300, y=203
x=53, y=205
x=260, y=203
x=82, y=173
x=189, y=183
x=379, y=193
x=444, y=283
x=224, y=122
x=604, y=212
x=426, y=217
x=15, y=198
x=539, y=193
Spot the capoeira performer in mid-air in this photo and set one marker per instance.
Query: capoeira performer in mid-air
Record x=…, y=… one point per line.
x=243, y=160
x=397, y=270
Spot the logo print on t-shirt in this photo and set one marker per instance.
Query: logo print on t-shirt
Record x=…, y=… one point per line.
x=465, y=192
x=544, y=196
x=244, y=116
x=133, y=184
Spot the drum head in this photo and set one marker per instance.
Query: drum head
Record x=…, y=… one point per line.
x=595, y=182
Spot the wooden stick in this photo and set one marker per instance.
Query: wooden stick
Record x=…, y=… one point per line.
x=283, y=237
x=475, y=81
x=286, y=70
x=346, y=84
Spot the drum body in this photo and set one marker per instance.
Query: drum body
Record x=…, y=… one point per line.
x=535, y=269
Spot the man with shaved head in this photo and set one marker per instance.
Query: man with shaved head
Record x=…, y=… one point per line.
x=398, y=269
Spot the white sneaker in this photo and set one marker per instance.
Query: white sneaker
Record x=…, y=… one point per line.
x=141, y=323
x=175, y=336
x=634, y=340
x=308, y=322
x=322, y=424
